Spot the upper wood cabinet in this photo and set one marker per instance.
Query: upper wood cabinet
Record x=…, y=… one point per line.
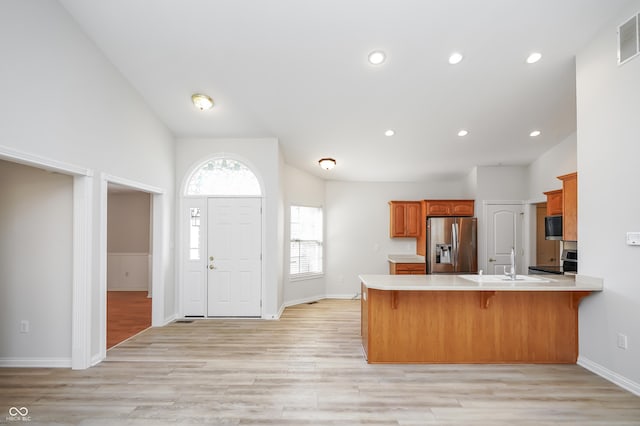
x=569, y=206
x=554, y=202
x=448, y=208
x=404, y=218
x=440, y=208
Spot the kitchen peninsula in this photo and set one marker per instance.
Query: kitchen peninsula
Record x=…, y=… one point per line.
x=450, y=319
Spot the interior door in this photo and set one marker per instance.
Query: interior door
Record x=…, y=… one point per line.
x=234, y=268
x=504, y=231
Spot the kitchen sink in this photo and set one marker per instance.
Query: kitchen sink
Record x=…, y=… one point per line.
x=504, y=279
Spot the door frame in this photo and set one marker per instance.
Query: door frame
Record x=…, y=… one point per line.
x=157, y=264
x=526, y=230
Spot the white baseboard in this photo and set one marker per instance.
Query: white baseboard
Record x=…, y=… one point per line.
x=36, y=362
x=97, y=359
x=301, y=301
x=611, y=376
x=343, y=296
x=169, y=320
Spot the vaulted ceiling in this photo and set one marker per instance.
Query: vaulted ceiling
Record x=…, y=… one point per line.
x=297, y=70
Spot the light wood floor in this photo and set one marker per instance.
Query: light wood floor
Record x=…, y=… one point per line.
x=128, y=313
x=305, y=369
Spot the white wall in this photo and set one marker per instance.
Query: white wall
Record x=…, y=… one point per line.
x=86, y=114
x=129, y=216
x=301, y=189
x=608, y=202
x=262, y=156
x=558, y=161
x=35, y=264
x=357, y=227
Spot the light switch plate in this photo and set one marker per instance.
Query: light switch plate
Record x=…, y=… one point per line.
x=633, y=238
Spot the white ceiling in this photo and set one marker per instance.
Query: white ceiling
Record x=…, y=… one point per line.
x=297, y=70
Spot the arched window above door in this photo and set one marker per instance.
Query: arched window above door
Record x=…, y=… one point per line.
x=223, y=176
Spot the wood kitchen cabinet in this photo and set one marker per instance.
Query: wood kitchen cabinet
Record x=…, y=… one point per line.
x=448, y=208
x=434, y=208
x=569, y=206
x=404, y=218
x=554, y=202
x=407, y=268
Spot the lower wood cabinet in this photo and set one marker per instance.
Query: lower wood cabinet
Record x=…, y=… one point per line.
x=407, y=268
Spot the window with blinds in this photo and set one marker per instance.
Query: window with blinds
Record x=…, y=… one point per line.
x=306, y=242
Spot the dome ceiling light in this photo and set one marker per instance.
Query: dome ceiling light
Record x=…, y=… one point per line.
x=201, y=101
x=327, y=163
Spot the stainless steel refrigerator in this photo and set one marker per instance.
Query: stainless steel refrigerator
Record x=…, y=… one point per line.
x=452, y=245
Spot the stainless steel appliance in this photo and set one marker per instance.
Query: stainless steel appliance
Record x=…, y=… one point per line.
x=553, y=228
x=452, y=245
x=569, y=265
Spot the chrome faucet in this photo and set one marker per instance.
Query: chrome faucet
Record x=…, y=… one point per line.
x=512, y=269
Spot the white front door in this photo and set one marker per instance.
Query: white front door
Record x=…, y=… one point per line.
x=234, y=251
x=504, y=231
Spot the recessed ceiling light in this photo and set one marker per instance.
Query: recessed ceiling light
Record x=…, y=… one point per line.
x=201, y=101
x=534, y=57
x=389, y=132
x=455, y=58
x=377, y=57
x=463, y=132
x=535, y=133
x=327, y=163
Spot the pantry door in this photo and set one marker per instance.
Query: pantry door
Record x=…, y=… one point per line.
x=234, y=258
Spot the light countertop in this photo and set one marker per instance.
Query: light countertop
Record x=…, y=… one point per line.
x=405, y=258
x=437, y=282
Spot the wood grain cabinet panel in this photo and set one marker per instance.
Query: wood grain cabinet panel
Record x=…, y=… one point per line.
x=569, y=206
x=469, y=327
x=449, y=208
x=404, y=219
x=554, y=202
x=407, y=268
x=440, y=208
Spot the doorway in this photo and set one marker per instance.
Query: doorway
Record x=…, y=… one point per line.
x=129, y=243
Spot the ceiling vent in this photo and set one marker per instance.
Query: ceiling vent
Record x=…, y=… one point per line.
x=629, y=40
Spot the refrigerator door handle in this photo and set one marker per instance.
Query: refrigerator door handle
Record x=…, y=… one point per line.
x=454, y=254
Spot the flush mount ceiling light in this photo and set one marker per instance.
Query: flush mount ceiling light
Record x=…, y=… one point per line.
x=389, y=132
x=463, y=132
x=377, y=57
x=534, y=57
x=455, y=58
x=201, y=101
x=535, y=133
x=327, y=163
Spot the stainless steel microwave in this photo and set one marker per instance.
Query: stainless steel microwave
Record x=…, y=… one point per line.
x=553, y=227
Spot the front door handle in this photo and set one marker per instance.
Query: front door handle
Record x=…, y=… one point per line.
x=212, y=267
x=491, y=260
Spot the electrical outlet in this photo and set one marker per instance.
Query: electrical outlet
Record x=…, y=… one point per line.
x=622, y=341
x=24, y=326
